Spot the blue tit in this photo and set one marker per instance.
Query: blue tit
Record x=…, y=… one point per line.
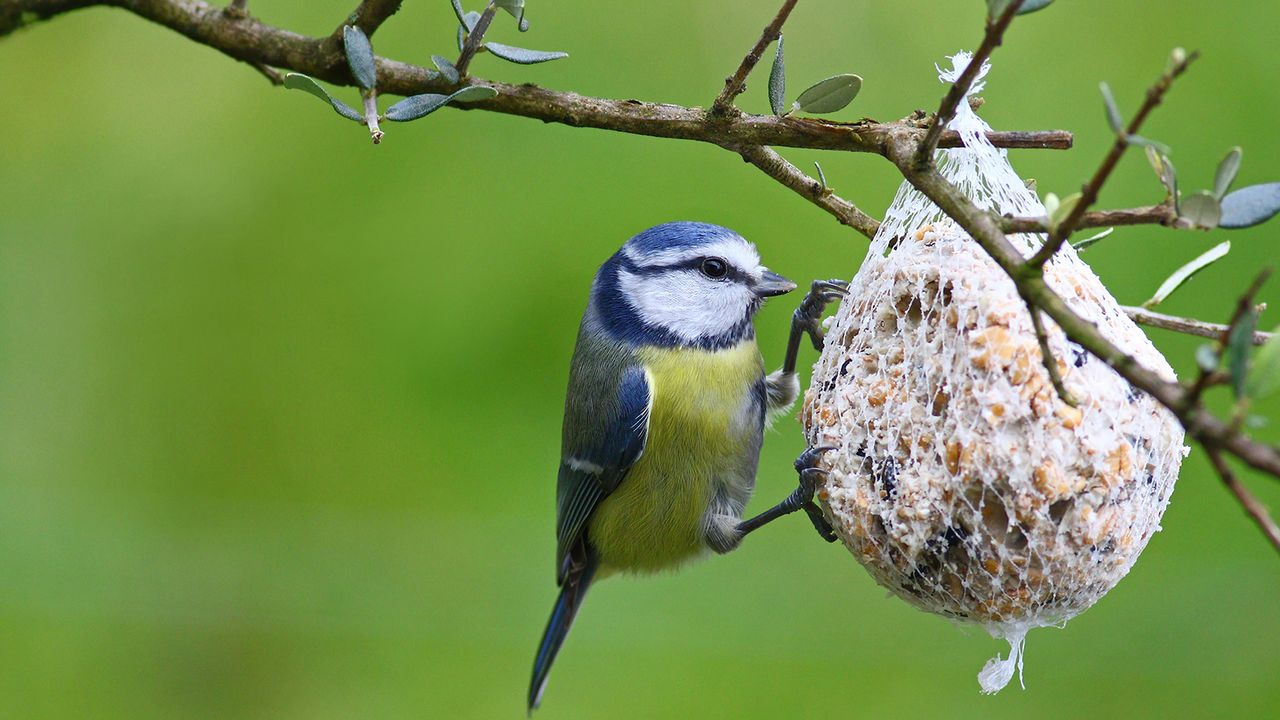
x=665, y=413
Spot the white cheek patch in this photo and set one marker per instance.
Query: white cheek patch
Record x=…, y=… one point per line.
x=685, y=303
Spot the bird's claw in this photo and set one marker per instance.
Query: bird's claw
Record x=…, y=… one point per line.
x=810, y=476
x=808, y=316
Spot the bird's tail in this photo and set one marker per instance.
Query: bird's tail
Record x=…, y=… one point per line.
x=572, y=593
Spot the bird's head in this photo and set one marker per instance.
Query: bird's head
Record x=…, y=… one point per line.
x=684, y=283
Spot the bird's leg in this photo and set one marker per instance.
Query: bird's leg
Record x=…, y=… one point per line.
x=808, y=318
x=800, y=499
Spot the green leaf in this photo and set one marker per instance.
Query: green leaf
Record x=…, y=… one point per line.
x=1114, y=119
x=778, y=82
x=1203, y=209
x=1239, y=344
x=359, y=56
x=1031, y=6
x=1051, y=203
x=416, y=106
x=822, y=177
x=514, y=7
x=298, y=81
x=472, y=93
x=1164, y=170
x=1173, y=185
x=1207, y=358
x=1148, y=143
x=469, y=21
x=1184, y=273
x=1081, y=245
x=521, y=56
x=830, y=95
x=1063, y=210
x=457, y=10
x=446, y=67
x=1264, y=378
x=996, y=8
x=1227, y=171
x=1250, y=206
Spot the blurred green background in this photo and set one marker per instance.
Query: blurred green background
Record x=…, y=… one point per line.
x=280, y=411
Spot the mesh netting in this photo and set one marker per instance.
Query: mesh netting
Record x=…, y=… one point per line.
x=962, y=481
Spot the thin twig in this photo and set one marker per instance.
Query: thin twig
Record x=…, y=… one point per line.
x=1251, y=505
x=1089, y=194
x=734, y=84
x=475, y=38
x=1186, y=326
x=1047, y=358
x=778, y=168
x=1151, y=215
x=270, y=73
x=960, y=88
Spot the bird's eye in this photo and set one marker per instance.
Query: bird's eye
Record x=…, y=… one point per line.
x=714, y=268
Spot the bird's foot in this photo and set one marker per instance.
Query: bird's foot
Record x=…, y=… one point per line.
x=808, y=317
x=803, y=497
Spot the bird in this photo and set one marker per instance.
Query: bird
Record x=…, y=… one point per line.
x=665, y=413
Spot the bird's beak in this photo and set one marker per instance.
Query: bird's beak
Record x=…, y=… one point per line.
x=772, y=284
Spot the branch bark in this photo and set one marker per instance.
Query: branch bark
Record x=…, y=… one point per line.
x=1251, y=505
x=1186, y=326
x=1151, y=215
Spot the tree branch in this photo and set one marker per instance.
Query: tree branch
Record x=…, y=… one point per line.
x=369, y=16
x=1151, y=215
x=734, y=84
x=1255, y=509
x=1186, y=326
x=255, y=42
x=778, y=168
x=1089, y=194
x=960, y=88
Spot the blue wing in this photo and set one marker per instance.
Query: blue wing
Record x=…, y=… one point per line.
x=604, y=436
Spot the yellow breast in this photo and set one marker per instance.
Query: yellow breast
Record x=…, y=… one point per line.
x=701, y=423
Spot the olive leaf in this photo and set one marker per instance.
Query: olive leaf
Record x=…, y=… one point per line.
x=298, y=81
x=829, y=95
x=516, y=9
x=1239, y=344
x=1202, y=209
x=1148, y=143
x=1207, y=358
x=1250, y=206
x=1264, y=378
x=1184, y=273
x=778, y=82
x=1227, y=171
x=446, y=67
x=522, y=56
x=1081, y=245
x=996, y=8
x=822, y=177
x=1062, y=210
x=1114, y=119
x=416, y=106
x=457, y=10
x=1164, y=171
x=359, y=56
x=468, y=21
